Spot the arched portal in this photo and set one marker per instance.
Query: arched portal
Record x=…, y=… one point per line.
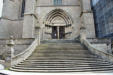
x=58, y=24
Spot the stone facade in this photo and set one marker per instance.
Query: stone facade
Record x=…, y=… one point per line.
x=74, y=14
x=43, y=17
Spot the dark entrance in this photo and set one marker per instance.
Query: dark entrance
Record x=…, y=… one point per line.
x=58, y=32
x=54, y=32
x=62, y=32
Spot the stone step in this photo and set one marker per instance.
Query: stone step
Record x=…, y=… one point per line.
x=66, y=57
x=70, y=66
x=64, y=53
x=82, y=61
x=66, y=62
x=63, y=64
x=56, y=63
x=62, y=71
x=45, y=44
x=58, y=44
x=60, y=53
x=69, y=70
x=59, y=63
x=63, y=56
x=62, y=50
x=75, y=48
x=75, y=68
x=59, y=41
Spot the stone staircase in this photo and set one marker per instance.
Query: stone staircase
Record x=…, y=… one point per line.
x=62, y=56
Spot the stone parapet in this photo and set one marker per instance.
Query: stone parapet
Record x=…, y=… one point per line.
x=99, y=52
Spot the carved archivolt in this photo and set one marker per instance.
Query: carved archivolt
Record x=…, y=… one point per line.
x=58, y=17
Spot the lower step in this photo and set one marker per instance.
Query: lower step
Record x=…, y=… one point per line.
x=64, y=70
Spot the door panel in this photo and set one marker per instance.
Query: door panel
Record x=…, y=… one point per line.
x=61, y=32
x=58, y=33
x=54, y=32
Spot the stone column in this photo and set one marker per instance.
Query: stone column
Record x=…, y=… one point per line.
x=11, y=47
x=29, y=19
x=87, y=18
x=39, y=36
x=58, y=34
x=82, y=34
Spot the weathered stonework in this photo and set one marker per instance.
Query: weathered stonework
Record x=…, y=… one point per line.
x=40, y=17
x=39, y=20
x=36, y=13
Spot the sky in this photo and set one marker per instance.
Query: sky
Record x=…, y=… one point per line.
x=1, y=3
x=95, y=1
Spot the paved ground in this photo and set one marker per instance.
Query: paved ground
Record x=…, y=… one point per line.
x=20, y=73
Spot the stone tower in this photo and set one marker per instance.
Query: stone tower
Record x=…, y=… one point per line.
x=55, y=19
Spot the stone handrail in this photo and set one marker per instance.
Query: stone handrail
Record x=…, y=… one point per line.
x=104, y=55
x=24, y=55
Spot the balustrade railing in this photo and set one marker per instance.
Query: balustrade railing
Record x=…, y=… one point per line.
x=16, y=59
x=107, y=56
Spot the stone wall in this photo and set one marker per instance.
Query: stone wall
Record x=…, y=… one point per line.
x=11, y=21
x=101, y=44
x=73, y=12
x=11, y=9
x=20, y=46
x=35, y=13
x=64, y=2
x=8, y=28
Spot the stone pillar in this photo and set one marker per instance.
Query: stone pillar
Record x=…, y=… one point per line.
x=82, y=34
x=11, y=47
x=87, y=18
x=29, y=19
x=39, y=37
x=58, y=32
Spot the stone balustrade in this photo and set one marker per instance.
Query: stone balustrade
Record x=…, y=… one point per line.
x=24, y=55
x=107, y=56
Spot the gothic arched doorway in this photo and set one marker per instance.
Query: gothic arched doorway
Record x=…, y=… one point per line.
x=58, y=24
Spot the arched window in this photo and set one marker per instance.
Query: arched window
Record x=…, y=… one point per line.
x=57, y=2
x=23, y=8
x=1, y=7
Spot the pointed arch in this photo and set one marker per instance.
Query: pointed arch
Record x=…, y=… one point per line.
x=64, y=16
